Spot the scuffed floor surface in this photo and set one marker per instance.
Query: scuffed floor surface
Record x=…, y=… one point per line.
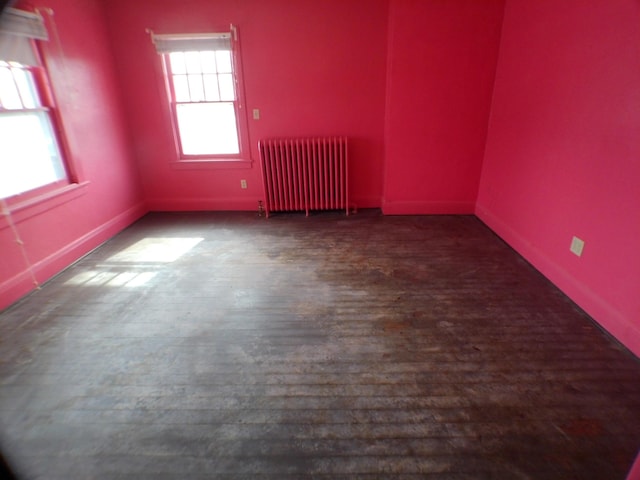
x=227, y=346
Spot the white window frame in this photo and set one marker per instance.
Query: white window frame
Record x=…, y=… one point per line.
x=32, y=157
x=166, y=44
x=34, y=102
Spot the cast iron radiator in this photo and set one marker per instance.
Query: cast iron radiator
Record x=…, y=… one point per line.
x=305, y=174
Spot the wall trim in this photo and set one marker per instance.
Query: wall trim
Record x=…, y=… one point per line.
x=203, y=204
x=242, y=204
x=21, y=211
x=418, y=207
x=18, y=286
x=605, y=314
x=363, y=201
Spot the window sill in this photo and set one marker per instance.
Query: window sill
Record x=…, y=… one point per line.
x=23, y=210
x=211, y=164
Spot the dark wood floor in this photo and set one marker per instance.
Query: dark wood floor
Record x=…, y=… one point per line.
x=199, y=346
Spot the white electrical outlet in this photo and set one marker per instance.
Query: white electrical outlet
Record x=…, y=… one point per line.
x=577, y=245
x=256, y=114
x=243, y=183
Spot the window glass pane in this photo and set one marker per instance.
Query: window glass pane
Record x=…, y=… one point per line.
x=211, y=88
x=208, y=61
x=226, y=87
x=30, y=155
x=28, y=94
x=223, y=60
x=181, y=88
x=9, y=96
x=196, y=89
x=177, y=62
x=192, y=59
x=208, y=129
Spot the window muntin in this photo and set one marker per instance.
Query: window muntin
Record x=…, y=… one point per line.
x=31, y=155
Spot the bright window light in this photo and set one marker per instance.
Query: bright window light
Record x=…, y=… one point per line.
x=208, y=128
x=30, y=156
x=30, y=153
x=203, y=92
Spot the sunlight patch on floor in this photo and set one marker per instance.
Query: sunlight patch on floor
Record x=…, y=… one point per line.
x=156, y=249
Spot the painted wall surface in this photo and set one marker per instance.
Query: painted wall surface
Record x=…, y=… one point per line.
x=559, y=138
x=563, y=151
x=59, y=230
x=441, y=65
x=311, y=68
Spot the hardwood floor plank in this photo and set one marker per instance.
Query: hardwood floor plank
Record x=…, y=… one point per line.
x=227, y=346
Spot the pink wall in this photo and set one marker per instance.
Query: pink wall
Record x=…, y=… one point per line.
x=441, y=65
x=560, y=148
x=563, y=150
x=634, y=473
x=58, y=231
x=312, y=68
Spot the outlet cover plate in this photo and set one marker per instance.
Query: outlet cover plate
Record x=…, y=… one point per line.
x=577, y=245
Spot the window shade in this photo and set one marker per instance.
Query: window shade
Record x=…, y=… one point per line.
x=24, y=24
x=192, y=42
x=17, y=28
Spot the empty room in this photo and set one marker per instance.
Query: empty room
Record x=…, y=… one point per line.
x=282, y=239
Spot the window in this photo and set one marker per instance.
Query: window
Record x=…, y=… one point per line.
x=30, y=153
x=31, y=158
x=204, y=91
